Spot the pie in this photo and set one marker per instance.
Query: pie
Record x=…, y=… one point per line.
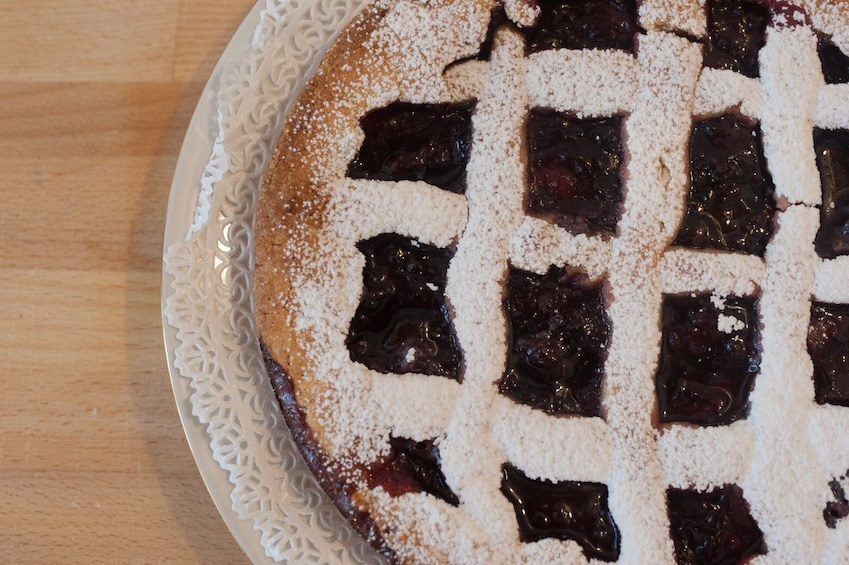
x=558, y=281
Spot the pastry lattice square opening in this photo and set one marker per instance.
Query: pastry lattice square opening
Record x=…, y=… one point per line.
x=828, y=344
x=574, y=170
x=401, y=324
x=572, y=510
x=832, y=153
x=419, y=142
x=558, y=334
x=584, y=24
x=713, y=527
x=708, y=359
x=736, y=33
x=730, y=204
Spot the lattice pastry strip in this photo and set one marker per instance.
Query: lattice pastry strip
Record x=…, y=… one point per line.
x=382, y=208
x=727, y=450
x=571, y=81
x=718, y=90
x=495, y=201
x=538, y=244
x=790, y=78
x=685, y=16
x=686, y=270
x=777, y=414
x=830, y=278
x=829, y=112
x=559, y=449
x=669, y=69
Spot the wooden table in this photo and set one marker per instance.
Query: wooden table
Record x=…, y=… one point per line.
x=95, y=97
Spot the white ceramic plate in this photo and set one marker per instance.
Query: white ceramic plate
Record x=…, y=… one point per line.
x=252, y=468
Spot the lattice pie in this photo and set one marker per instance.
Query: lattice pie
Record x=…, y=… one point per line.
x=557, y=281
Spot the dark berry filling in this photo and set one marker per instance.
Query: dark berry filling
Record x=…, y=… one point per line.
x=401, y=324
x=828, y=344
x=558, y=333
x=730, y=204
x=584, y=24
x=568, y=510
x=419, y=142
x=573, y=169
x=832, y=151
x=708, y=359
x=412, y=466
x=713, y=528
x=736, y=32
x=837, y=509
x=835, y=64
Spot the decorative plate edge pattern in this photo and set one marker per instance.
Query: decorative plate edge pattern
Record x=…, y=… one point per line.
x=207, y=295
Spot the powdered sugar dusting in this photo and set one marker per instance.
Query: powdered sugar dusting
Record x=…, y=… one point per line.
x=830, y=278
x=588, y=83
x=727, y=449
x=431, y=33
x=729, y=324
x=832, y=107
x=687, y=16
x=830, y=17
x=791, y=77
x=556, y=449
x=687, y=270
x=538, y=244
x=425, y=529
x=523, y=12
x=466, y=80
x=496, y=178
x=720, y=89
x=398, y=404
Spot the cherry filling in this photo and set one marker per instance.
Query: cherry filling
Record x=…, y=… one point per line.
x=832, y=152
x=574, y=169
x=708, y=359
x=412, y=466
x=736, y=32
x=584, y=24
x=401, y=324
x=835, y=64
x=837, y=509
x=558, y=334
x=568, y=510
x=419, y=142
x=828, y=345
x=713, y=528
x=730, y=204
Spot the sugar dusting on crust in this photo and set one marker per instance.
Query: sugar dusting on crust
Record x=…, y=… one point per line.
x=686, y=16
x=791, y=77
x=470, y=455
x=589, y=83
x=657, y=132
x=720, y=89
x=309, y=278
x=523, y=12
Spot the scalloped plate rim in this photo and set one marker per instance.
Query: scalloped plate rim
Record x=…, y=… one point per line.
x=182, y=203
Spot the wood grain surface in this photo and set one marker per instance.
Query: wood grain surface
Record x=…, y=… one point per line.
x=95, y=97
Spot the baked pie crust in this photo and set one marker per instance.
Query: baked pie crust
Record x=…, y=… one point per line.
x=566, y=280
